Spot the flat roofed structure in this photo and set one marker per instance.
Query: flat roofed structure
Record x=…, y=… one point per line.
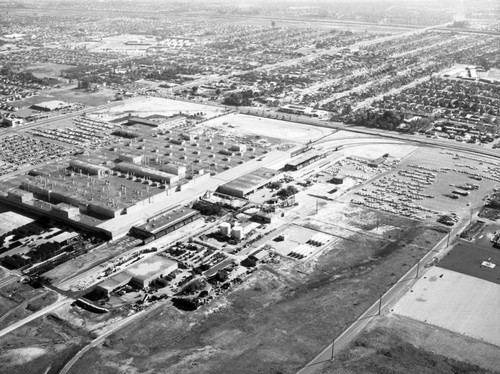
x=302, y=161
x=20, y=195
x=248, y=183
x=116, y=281
x=48, y=106
x=142, y=171
x=165, y=223
x=157, y=125
x=148, y=270
x=130, y=157
x=88, y=168
x=178, y=170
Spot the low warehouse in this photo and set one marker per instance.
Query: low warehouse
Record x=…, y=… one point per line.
x=88, y=168
x=165, y=223
x=142, y=171
x=248, y=183
x=147, y=271
x=304, y=160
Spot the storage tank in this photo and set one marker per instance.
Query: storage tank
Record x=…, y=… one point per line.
x=237, y=233
x=225, y=228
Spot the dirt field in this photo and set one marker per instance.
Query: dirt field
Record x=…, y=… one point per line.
x=400, y=345
x=41, y=346
x=275, y=321
x=285, y=131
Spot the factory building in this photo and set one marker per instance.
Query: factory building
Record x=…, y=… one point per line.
x=160, y=125
x=145, y=172
x=88, y=168
x=116, y=281
x=49, y=106
x=129, y=157
x=248, y=183
x=139, y=275
x=19, y=195
x=12, y=122
x=143, y=273
x=375, y=163
x=304, y=160
x=164, y=223
x=66, y=211
x=239, y=148
x=178, y=170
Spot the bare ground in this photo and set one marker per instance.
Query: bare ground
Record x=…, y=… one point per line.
x=395, y=344
x=275, y=322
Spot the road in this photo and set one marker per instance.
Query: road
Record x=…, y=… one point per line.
x=117, y=326
x=35, y=315
x=23, y=305
x=391, y=296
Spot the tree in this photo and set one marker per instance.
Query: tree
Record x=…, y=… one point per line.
x=287, y=192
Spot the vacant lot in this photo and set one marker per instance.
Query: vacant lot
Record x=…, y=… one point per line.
x=275, y=321
x=47, y=70
x=396, y=345
x=41, y=346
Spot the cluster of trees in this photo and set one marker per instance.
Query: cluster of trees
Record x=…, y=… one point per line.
x=26, y=77
x=243, y=98
x=287, y=192
x=173, y=72
x=208, y=209
x=41, y=253
x=387, y=120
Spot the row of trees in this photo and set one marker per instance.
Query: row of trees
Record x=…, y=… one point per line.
x=387, y=120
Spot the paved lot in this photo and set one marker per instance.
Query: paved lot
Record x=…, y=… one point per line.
x=456, y=302
x=467, y=258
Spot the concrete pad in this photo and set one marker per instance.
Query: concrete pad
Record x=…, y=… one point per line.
x=456, y=302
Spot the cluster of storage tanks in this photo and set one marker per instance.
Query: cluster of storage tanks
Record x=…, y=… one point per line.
x=234, y=231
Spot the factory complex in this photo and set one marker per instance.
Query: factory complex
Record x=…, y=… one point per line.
x=147, y=168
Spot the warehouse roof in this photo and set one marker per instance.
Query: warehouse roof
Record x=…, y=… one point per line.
x=249, y=181
x=304, y=158
x=167, y=219
x=51, y=105
x=150, y=267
